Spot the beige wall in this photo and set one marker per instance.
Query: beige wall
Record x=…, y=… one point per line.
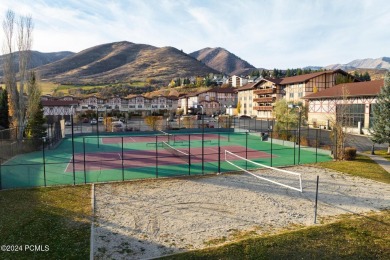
x=245, y=98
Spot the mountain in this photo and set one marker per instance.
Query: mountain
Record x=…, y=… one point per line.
x=123, y=62
x=379, y=63
x=222, y=60
x=37, y=58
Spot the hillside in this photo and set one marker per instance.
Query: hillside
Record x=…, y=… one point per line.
x=37, y=58
x=123, y=62
x=222, y=60
x=379, y=63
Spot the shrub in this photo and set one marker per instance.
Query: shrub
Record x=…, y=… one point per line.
x=350, y=153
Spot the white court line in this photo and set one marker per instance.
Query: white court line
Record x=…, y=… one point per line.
x=120, y=157
x=66, y=169
x=132, y=139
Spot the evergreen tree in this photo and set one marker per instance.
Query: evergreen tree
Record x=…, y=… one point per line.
x=36, y=128
x=381, y=113
x=265, y=74
x=366, y=77
x=288, y=73
x=4, y=109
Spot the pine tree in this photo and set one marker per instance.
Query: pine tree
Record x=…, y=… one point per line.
x=36, y=128
x=366, y=77
x=4, y=109
x=381, y=113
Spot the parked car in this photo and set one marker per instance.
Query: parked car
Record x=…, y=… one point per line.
x=85, y=120
x=100, y=119
x=93, y=121
x=68, y=123
x=117, y=126
x=245, y=117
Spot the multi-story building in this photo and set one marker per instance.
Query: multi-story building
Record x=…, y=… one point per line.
x=245, y=102
x=194, y=102
x=236, y=81
x=350, y=104
x=134, y=103
x=296, y=87
x=265, y=93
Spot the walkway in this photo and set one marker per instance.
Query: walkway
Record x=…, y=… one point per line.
x=385, y=164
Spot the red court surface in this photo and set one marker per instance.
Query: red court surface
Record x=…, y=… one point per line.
x=147, y=158
x=160, y=138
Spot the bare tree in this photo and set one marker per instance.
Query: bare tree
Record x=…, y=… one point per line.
x=340, y=124
x=23, y=41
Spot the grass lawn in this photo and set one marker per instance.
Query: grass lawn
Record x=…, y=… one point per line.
x=383, y=153
x=363, y=166
x=58, y=217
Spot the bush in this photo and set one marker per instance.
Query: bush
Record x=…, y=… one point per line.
x=350, y=153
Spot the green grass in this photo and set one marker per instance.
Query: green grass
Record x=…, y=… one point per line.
x=58, y=217
x=363, y=166
x=383, y=153
x=358, y=237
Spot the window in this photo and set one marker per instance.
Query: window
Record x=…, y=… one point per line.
x=291, y=95
x=350, y=115
x=300, y=94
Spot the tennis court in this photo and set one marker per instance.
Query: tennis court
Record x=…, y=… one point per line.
x=87, y=159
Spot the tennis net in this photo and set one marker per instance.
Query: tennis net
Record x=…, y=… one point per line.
x=180, y=154
x=171, y=137
x=277, y=175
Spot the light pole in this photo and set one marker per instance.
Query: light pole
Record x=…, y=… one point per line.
x=299, y=129
x=97, y=124
x=73, y=163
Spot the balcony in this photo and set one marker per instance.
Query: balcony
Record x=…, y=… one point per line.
x=264, y=99
x=263, y=108
x=264, y=91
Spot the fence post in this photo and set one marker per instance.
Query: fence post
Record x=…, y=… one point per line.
x=294, y=148
x=316, y=145
x=202, y=144
x=271, y=145
x=246, y=150
x=189, y=154
x=44, y=161
x=219, y=159
x=85, y=173
x=1, y=183
x=123, y=169
x=156, y=156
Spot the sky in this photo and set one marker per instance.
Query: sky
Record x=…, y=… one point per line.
x=266, y=33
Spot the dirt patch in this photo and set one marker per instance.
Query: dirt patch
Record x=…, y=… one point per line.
x=146, y=219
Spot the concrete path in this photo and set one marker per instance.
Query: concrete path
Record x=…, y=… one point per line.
x=379, y=160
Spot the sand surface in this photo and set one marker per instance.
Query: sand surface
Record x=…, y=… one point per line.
x=152, y=218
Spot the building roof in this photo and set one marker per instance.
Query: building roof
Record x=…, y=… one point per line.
x=54, y=103
x=273, y=80
x=307, y=77
x=354, y=89
x=248, y=86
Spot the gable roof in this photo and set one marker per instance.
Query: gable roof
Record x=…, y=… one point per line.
x=248, y=86
x=56, y=102
x=354, y=89
x=307, y=77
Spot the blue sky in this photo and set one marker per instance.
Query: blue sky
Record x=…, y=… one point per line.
x=266, y=33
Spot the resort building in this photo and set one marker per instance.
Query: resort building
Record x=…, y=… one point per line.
x=351, y=103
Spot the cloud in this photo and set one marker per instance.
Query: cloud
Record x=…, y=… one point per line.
x=277, y=33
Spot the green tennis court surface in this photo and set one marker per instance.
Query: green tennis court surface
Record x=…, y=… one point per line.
x=116, y=158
